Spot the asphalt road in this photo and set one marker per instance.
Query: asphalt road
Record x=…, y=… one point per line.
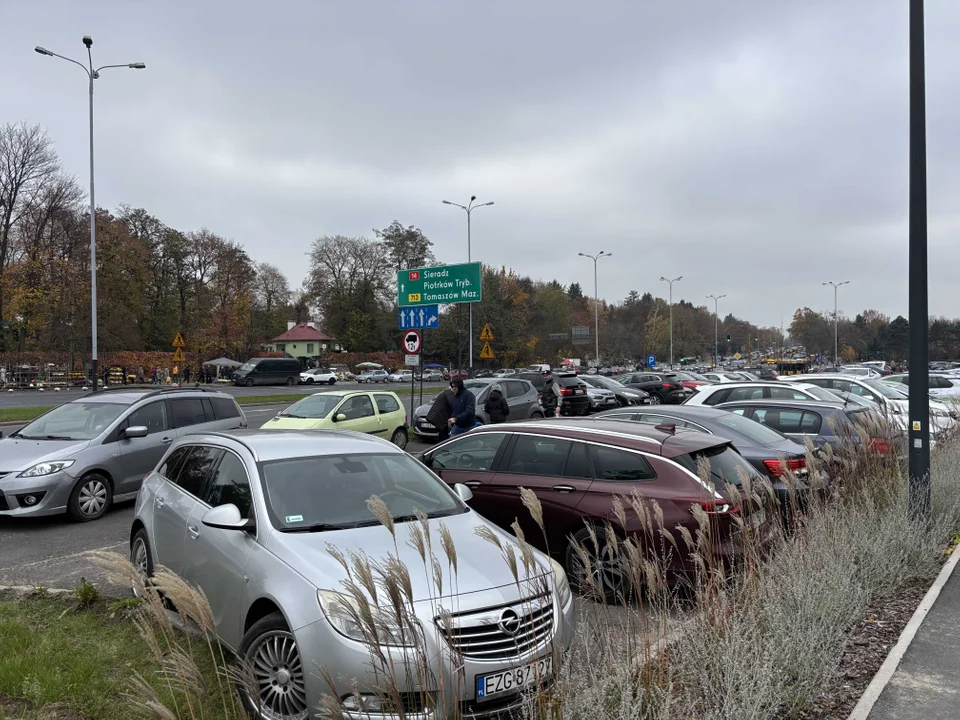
x=33, y=398
x=51, y=552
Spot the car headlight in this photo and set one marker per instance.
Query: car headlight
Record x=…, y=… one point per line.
x=46, y=468
x=560, y=580
x=895, y=409
x=937, y=412
x=344, y=614
x=630, y=394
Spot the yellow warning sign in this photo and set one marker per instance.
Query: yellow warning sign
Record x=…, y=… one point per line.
x=178, y=341
x=737, y=356
x=486, y=335
x=178, y=356
x=487, y=352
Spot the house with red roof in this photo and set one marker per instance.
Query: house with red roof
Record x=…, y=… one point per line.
x=302, y=340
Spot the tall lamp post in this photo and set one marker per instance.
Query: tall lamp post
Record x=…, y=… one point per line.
x=92, y=74
x=596, y=302
x=670, y=283
x=716, y=327
x=469, y=208
x=836, y=321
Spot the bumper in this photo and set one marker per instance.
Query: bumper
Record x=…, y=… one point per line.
x=51, y=492
x=603, y=403
x=452, y=682
x=421, y=428
x=575, y=406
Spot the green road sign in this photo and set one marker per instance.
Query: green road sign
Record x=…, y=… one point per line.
x=444, y=285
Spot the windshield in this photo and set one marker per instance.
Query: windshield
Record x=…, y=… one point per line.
x=852, y=399
x=312, y=406
x=751, y=429
x=331, y=492
x=247, y=366
x=881, y=389
x=73, y=421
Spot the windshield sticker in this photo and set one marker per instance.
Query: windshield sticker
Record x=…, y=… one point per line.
x=293, y=518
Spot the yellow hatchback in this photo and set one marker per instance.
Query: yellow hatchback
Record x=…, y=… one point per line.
x=377, y=413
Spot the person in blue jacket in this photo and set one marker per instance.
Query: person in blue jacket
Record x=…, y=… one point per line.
x=463, y=408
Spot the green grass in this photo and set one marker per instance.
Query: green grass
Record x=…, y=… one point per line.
x=60, y=662
x=22, y=414
x=269, y=399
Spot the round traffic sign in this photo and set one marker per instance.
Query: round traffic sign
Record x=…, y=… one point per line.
x=412, y=342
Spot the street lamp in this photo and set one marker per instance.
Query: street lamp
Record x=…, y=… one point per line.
x=836, y=322
x=671, y=282
x=716, y=326
x=469, y=208
x=92, y=74
x=596, y=302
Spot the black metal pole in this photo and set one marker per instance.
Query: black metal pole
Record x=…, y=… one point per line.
x=919, y=372
x=459, y=337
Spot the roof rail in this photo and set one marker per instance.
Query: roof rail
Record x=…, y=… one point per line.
x=153, y=392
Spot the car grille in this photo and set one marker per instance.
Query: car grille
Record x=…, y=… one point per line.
x=503, y=632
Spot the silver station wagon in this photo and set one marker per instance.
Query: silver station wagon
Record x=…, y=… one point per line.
x=272, y=526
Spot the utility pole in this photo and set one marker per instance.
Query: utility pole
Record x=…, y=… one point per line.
x=596, y=302
x=836, y=322
x=919, y=463
x=716, y=327
x=670, y=283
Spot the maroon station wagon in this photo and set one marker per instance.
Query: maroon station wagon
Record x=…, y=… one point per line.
x=576, y=471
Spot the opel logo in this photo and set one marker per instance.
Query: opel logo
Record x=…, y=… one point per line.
x=509, y=622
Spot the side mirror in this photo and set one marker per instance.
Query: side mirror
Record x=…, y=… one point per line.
x=135, y=431
x=226, y=517
x=340, y=417
x=463, y=492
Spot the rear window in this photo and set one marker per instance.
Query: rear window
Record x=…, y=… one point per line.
x=616, y=465
x=727, y=467
x=751, y=429
x=386, y=403
x=224, y=408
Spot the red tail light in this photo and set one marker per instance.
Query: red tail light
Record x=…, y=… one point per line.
x=879, y=446
x=778, y=468
x=718, y=507
x=566, y=391
x=668, y=385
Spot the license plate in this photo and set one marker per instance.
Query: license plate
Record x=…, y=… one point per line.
x=515, y=679
x=427, y=426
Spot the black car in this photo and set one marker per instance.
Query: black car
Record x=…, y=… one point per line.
x=764, y=372
x=661, y=387
x=573, y=395
x=769, y=451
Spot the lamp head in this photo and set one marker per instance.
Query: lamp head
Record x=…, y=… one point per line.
x=42, y=50
x=137, y=66
x=472, y=198
x=88, y=41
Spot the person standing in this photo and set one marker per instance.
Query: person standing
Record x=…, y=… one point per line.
x=550, y=396
x=463, y=411
x=496, y=405
x=440, y=412
x=186, y=375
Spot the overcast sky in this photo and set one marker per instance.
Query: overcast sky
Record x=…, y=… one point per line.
x=757, y=148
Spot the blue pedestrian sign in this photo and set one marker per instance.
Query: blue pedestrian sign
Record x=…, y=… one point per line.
x=419, y=318
x=651, y=361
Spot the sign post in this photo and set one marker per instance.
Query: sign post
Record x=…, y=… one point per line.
x=412, y=344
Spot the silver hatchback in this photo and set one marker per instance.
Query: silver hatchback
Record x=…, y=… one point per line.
x=279, y=530
x=83, y=455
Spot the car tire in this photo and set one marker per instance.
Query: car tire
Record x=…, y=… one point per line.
x=269, y=650
x=309, y=381
x=90, y=498
x=332, y=381
x=249, y=382
x=614, y=584
x=290, y=381
x=621, y=402
x=537, y=416
x=140, y=558
x=399, y=438
x=655, y=399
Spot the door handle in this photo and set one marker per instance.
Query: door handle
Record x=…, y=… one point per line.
x=160, y=501
x=473, y=483
x=194, y=531
x=564, y=488
x=167, y=441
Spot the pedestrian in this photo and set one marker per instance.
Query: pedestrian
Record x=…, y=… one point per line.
x=550, y=395
x=186, y=375
x=124, y=370
x=176, y=373
x=440, y=412
x=463, y=411
x=496, y=405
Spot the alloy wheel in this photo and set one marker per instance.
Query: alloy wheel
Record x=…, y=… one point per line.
x=278, y=676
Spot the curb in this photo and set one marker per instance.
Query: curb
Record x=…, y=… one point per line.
x=892, y=662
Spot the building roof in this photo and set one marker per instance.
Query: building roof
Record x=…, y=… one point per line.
x=302, y=332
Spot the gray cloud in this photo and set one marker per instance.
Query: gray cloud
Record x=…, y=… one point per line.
x=757, y=148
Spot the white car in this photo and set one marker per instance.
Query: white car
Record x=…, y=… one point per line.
x=860, y=371
x=771, y=390
x=941, y=384
x=506, y=372
x=728, y=377
x=318, y=375
x=892, y=400
x=400, y=376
